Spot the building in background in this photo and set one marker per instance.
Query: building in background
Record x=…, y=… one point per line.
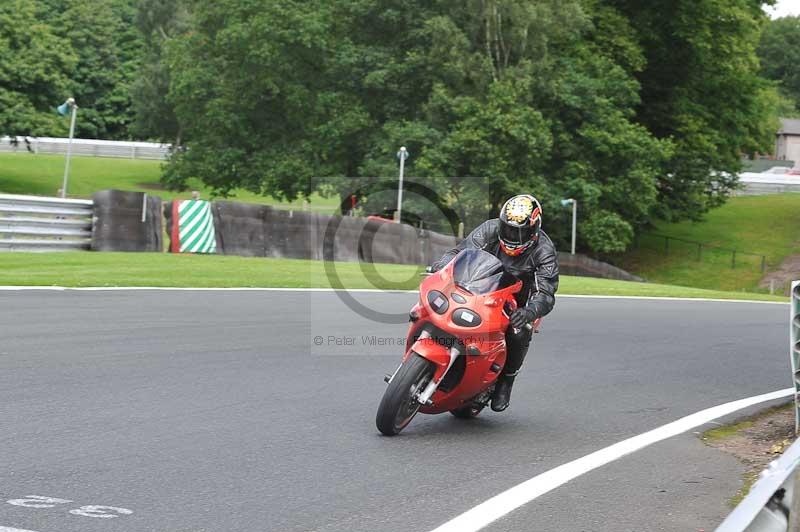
x=787, y=142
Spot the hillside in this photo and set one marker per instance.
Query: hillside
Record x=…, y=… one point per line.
x=24, y=173
x=762, y=225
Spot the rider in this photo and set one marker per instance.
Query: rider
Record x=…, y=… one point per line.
x=528, y=253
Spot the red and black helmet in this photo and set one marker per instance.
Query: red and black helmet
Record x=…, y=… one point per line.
x=520, y=222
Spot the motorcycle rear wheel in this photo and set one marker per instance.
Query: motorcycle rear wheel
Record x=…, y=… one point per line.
x=399, y=404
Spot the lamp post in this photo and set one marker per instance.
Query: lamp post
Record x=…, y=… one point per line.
x=402, y=155
x=63, y=108
x=574, y=203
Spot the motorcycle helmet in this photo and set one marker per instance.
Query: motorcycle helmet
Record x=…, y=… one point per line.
x=520, y=222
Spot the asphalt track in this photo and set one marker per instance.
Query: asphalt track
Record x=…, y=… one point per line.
x=216, y=411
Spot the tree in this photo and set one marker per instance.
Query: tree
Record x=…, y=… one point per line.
x=779, y=52
x=101, y=36
x=158, y=22
x=700, y=87
x=34, y=67
x=250, y=93
x=54, y=49
x=633, y=113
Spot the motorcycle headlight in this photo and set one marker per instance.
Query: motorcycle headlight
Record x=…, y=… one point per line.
x=438, y=302
x=466, y=318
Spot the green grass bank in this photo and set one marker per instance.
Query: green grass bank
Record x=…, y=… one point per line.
x=42, y=175
x=765, y=225
x=76, y=269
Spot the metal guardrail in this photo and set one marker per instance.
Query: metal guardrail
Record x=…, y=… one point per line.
x=753, y=184
x=794, y=348
x=86, y=147
x=33, y=223
x=771, y=505
x=762, y=189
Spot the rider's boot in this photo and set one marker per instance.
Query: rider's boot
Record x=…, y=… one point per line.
x=501, y=397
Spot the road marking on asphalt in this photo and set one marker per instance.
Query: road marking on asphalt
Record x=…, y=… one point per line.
x=92, y=510
x=521, y=494
x=38, y=501
x=355, y=290
x=9, y=529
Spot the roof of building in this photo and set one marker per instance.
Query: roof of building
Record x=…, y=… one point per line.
x=789, y=126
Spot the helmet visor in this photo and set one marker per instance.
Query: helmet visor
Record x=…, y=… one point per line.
x=516, y=236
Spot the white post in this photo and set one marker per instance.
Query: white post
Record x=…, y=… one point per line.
x=574, y=222
x=564, y=203
x=71, y=102
x=402, y=155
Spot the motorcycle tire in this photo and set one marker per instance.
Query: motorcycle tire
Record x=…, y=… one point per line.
x=399, y=404
x=467, y=411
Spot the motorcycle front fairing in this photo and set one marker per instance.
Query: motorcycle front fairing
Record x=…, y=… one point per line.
x=459, y=324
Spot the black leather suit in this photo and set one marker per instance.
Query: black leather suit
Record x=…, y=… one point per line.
x=536, y=267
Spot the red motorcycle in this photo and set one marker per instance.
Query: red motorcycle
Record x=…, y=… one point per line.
x=455, y=348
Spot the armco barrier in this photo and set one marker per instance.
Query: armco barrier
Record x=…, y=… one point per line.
x=126, y=221
x=771, y=505
x=794, y=348
x=33, y=223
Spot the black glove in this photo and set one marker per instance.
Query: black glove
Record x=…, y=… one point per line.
x=521, y=317
x=433, y=268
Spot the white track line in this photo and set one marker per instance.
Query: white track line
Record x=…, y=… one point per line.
x=354, y=290
x=508, y=501
x=9, y=529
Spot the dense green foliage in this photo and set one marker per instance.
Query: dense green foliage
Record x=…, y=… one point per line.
x=779, y=52
x=34, y=67
x=53, y=49
x=700, y=87
x=158, y=21
x=639, y=109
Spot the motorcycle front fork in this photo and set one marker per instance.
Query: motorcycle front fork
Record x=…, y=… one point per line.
x=424, y=397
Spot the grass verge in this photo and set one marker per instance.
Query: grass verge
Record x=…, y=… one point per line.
x=26, y=173
x=756, y=441
x=765, y=225
x=77, y=269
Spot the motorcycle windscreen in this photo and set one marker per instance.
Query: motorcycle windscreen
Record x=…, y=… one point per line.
x=480, y=272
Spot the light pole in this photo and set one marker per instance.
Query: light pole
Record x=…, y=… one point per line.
x=574, y=204
x=69, y=104
x=402, y=155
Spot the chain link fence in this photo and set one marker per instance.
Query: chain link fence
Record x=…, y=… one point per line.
x=701, y=252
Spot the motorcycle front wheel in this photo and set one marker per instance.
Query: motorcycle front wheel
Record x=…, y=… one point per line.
x=399, y=404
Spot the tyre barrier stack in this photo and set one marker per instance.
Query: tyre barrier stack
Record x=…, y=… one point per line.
x=126, y=221
x=262, y=231
x=132, y=221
